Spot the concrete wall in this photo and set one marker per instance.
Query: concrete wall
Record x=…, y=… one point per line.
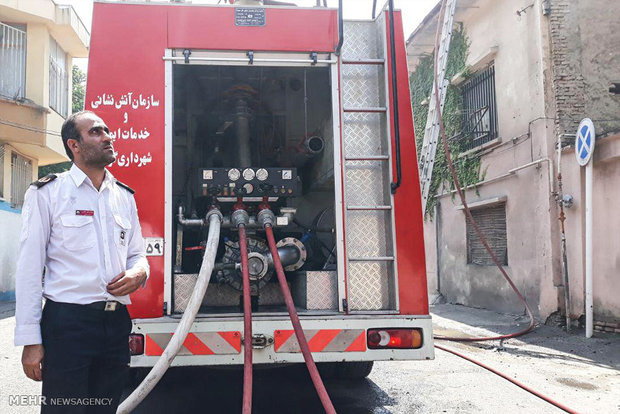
x=550, y=72
x=10, y=223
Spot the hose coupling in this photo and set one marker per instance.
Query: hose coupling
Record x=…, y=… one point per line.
x=216, y=212
x=266, y=218
x=240, y=217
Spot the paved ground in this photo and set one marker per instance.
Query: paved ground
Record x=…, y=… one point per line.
x=583, y=374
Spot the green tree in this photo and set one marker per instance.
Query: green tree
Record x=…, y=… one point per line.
x=79, y=89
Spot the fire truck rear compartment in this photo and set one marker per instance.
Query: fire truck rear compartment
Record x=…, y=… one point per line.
x=242, y=136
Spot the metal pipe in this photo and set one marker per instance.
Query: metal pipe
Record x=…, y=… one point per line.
x=562, y=218
x=256, y=60
x=242, y=128
x=340, y=29
x=395, y=184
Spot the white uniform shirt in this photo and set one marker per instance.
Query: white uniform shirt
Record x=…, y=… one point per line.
x=82, y=237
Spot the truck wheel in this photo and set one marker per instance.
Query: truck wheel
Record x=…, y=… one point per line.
x=356, y=370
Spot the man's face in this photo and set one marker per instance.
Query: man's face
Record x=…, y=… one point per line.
x=95, y=149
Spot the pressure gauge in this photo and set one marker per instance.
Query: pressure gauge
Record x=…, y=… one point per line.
x=233, y=174
x=262, y=174
x=248, y=188
x=248, y=174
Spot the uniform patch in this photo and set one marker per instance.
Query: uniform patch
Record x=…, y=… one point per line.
x=44, y=180
x=84, y=213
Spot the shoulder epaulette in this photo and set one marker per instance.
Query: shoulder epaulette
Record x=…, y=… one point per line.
x=126, y=187
x=44, y=180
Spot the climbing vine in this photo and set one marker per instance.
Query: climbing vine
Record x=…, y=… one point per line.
x=467, y=167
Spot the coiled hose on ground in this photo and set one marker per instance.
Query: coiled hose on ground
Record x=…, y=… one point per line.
x=166, y=358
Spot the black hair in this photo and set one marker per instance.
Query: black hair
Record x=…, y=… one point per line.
x=69, y=130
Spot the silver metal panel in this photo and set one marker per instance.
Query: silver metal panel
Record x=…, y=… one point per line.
x=168, y=107
x=360, y=41
x=364, y=134
x=369, y=285
x=362, y=86
x=369, y=234
x=316, y=290
x=219, y=294
x=365, y=183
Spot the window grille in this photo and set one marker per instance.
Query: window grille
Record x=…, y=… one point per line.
x=59, y=79
x=12, y=61
x=492, y=223
x=21, y=177
x=479, y=110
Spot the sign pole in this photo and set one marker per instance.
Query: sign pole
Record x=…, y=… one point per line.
x=584, y=148
x=589, y=267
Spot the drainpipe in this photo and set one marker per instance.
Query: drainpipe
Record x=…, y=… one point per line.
x=562, y=218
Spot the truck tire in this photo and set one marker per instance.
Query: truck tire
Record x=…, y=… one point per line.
x=356, y=370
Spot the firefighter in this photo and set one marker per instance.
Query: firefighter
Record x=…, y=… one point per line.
x=81, y=232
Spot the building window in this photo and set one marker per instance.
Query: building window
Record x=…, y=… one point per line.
x=59, y=80
x=479, y=109
x=12, y=61
x=21, y=177
x=492, y=223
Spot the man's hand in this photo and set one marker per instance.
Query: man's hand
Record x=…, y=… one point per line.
x=126, y=282
x=32, y=361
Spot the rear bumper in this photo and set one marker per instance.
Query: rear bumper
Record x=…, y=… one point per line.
x=218, y=341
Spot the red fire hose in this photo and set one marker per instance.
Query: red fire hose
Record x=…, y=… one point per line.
x=299, y=333
x=247, y=324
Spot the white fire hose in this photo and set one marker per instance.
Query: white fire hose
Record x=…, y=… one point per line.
x=166, y=358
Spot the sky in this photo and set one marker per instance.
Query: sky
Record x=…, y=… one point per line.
x=413, y=12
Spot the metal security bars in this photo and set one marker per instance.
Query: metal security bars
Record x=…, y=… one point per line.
x=492, y=223
x=480, y=110
x=21, y=177
x=12, y=62
x=59, y=80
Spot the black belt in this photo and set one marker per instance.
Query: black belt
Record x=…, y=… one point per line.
x=110, y=305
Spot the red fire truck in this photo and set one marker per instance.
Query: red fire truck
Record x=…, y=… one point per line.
x=256, y=108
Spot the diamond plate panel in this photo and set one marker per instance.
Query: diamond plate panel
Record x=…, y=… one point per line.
x=364, y=134
x=360, y=41
x=219, y=294
x=369, y=234
x=366, y=183
x=369, y=285
x=363, y=86
x=316, y=290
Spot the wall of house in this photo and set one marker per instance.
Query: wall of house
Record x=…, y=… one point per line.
x=514, y=43
x=10, y=223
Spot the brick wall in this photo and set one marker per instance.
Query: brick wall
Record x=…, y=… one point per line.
x=568, y=82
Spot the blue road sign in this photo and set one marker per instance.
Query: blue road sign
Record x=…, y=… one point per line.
x=584, y=141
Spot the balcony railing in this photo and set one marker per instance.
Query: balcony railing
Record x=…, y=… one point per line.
x=12, y=62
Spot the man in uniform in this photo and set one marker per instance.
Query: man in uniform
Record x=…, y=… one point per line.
x=81, y=237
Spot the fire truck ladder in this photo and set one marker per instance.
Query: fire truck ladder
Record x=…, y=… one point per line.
x=367, y=168
x=431, y=132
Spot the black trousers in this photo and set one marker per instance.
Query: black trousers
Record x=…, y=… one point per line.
x=86, y=358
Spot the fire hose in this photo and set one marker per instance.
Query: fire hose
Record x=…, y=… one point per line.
x=163, y=363
x=299, y=333
x=247, y=323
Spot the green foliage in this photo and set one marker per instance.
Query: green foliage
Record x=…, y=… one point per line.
x=54, y=168
x=467, y=168
x=79, y=89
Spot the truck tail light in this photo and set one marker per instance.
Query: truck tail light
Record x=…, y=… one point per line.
x=394, y=338
x=136, y=344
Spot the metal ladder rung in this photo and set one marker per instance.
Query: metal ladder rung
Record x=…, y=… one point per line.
x=364, y=62
x=369, y=208
x=368, y=158
x=370, y=110
x=372, y=259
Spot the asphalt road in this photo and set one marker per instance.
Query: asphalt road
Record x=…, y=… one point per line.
x=582, y=374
